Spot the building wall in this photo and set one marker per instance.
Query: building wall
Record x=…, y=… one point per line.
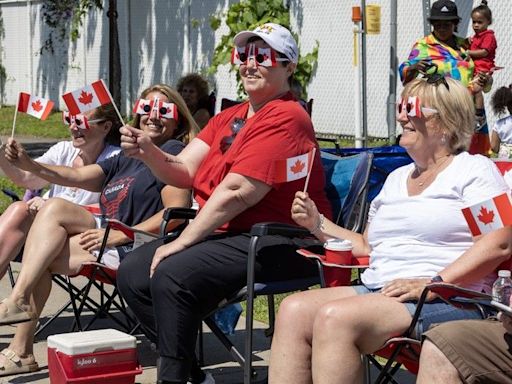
x=160, y=40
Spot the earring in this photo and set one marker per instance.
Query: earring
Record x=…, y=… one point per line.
x=443, y=139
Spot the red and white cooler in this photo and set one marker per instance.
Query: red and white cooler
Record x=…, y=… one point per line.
x=100, y=356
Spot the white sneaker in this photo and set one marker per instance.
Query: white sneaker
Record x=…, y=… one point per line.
x=207, y=380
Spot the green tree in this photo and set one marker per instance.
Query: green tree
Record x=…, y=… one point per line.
x=247, y=15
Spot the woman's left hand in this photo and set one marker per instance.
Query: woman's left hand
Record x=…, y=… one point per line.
x=163, y=252
x=407, y=289
x=91, y=239
x=35, y=204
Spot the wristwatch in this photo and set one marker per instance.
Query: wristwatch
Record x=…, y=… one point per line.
x=437, y=279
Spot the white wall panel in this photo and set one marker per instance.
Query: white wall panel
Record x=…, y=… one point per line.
x=160, y=40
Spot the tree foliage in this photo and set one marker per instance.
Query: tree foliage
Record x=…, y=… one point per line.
x=247, y=15
x=65, y=17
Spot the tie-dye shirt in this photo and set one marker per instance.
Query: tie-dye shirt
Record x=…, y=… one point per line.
x=451, y=62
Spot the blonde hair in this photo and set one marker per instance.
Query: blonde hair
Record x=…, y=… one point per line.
x=455, y=109
x=187, y=127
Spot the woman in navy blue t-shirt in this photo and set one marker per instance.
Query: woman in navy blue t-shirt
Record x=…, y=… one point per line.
x=64, y=235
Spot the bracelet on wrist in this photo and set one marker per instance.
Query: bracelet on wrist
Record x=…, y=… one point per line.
x=320, y=225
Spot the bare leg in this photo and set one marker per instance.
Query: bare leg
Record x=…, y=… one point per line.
x=14, y=225
x=46, y=240
x=435, y=366
x=68, y=262
x=347, y=328
x=290, y=359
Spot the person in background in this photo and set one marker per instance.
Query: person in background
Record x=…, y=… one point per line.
x=482, y=50
x=94, y=138
x=194, y=90
x=233, y=167
x=447, y=52
x=416, y=234
x=65, y=235
x=296, y=89
x=501, y=136
x=468, y=351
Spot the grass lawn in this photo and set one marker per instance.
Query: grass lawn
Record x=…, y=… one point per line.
x=27, y=125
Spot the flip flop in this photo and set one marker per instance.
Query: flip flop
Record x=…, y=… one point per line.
x=13, y=366
x=11, y=313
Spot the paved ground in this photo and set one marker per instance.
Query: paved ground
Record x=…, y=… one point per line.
x=217, y=360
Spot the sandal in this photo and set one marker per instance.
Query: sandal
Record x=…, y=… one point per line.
x=13, y=365
x=11, y=313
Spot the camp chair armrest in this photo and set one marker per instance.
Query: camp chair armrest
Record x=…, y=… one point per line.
x=179, y=213
x=270, y=228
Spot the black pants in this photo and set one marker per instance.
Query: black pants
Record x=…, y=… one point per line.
x=190, y=284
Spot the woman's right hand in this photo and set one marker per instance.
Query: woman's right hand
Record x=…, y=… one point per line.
x=134, y=141
x=16, y=155
x=304, y=211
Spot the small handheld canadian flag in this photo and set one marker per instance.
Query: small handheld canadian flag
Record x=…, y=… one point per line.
x=489, y=215
x=89, y=97
x=34, y=105
x=294, y=168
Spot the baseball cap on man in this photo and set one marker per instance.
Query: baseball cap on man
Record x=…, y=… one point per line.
x=275, y=35
x=444, y=10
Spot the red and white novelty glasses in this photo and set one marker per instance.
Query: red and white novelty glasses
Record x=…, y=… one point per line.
x=412, y=107
x=162, y=109
x=81, y=121
x=265, y=57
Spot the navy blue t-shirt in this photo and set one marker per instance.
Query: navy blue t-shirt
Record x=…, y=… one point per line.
x=131, y=193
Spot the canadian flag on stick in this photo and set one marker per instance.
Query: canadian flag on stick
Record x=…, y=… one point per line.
x=34, y=105
x=293, y=168
x=89, y=97
x=489, y=215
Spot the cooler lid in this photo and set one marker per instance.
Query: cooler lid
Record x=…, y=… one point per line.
x=77, y=343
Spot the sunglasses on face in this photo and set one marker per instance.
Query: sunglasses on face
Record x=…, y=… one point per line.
x=161, y=108
x=81, y=121
x=265, y=57
x=412, y=107
x=236, y=126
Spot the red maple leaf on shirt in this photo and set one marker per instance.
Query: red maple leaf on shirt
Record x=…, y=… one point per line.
x=297, y=167
x=85, y=98
x=486, y=216
x=37, y=106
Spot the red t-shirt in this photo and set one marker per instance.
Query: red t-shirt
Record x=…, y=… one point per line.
x=280, y=130
x=484, y=40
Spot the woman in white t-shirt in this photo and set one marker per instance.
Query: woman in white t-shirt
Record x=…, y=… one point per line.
x=501, y=136
x=416, y=234
x=94, y=137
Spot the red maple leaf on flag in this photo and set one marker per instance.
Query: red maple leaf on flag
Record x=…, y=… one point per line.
x=37, y=106
x=297, y=167
x=85, y=98
x=486, y=216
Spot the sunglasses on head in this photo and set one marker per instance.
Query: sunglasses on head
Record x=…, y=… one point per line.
x=433, y=77
x=412, y=107
x=236, y=126
x=162, y=109
x=265, y=57
x=81, y=121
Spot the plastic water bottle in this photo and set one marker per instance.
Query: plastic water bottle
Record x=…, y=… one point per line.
x=502, y=287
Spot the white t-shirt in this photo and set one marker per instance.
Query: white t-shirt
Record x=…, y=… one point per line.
x=63, y=153
x=418, y=236
x=503, y=128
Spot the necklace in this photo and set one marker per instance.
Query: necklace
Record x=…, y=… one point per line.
x=432, y=173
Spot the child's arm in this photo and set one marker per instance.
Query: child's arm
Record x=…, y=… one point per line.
x=495, y=141
x=477, y=53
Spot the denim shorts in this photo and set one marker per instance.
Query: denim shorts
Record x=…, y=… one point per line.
x=433, y=312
